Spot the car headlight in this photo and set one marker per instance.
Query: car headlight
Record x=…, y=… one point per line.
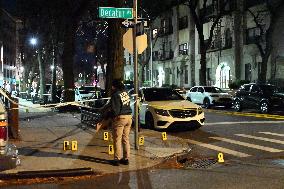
x=214, y=95
x=200, y=110
x=162, y=112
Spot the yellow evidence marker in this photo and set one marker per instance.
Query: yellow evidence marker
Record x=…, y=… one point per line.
x=141, y=140
x=110, y=150
x=66, y=145
x=105, y=135
x=74, y=145
x=221, y=158
x=164, y=135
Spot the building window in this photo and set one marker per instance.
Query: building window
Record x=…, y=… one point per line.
x=185, y=74
x=182, y=23
x=252, y=35
x=248, y=72
x=154, y=33
x=183, y=49
x=166, y=26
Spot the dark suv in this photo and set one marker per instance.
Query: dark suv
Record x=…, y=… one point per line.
x=263, y=97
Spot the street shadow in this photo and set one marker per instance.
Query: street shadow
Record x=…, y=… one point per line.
x=39, y=153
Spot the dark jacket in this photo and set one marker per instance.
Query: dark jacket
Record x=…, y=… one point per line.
x=120, y=103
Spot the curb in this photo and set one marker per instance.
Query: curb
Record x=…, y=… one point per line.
x=49, y=173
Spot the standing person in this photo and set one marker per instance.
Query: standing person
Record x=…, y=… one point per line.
x=121, y=122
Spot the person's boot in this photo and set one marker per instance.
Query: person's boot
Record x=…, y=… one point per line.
x=124, y=161
x=115, y=162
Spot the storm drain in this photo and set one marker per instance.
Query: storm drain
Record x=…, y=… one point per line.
x=199, y=163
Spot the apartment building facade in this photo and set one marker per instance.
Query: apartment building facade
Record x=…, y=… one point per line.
x=10, y=58
x=233, y=54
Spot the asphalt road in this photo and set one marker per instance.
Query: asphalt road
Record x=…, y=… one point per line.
x=253, y=149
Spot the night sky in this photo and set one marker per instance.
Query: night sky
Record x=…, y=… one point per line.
x=9, y=5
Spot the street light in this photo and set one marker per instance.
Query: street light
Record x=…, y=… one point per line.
x=33, y=41
x=52, y=67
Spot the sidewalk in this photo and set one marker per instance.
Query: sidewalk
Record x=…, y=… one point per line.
x=41, y=145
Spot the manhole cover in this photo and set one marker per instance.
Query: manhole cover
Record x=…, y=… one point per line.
x=200, y=163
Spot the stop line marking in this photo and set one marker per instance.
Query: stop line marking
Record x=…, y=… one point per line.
x=274, y=134
x=247, y=114
x=268, y=149
x=243, y=122
x=219, y=149
x=261, y=138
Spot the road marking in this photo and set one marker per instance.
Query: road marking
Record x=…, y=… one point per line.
x=261, y=138
x=247, y=114
x=219, y=149
x=247, y=144
x=243, y=122
x=269, y=133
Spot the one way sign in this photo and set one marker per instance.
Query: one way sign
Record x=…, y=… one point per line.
x=128, y=24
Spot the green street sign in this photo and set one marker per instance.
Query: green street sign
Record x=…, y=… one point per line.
x=112, y=12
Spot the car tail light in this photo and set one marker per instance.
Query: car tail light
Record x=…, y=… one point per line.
x=3, y=135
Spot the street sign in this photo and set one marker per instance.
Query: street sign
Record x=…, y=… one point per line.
x=112, y=12
x=141, y=42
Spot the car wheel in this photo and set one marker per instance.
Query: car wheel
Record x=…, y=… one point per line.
x=206, y=103
x=149, y=122
x=237, y=105
x=188, y=98
x=264, y=107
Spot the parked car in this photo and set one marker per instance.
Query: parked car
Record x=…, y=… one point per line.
x=84, y=92
x=209, y=96
x=3, y=128
x=260, y=97
x=162, y=108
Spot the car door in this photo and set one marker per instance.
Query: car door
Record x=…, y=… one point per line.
x=200, y=95
x=192, y=94
x=243, y=94
x=254, y=96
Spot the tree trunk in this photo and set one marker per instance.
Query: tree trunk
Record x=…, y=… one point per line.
x=202, y=74
x=68, y=60
x=41, y=73
x=115, y=49
x=263, y=69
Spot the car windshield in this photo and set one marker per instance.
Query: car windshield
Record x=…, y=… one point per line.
x=161, y=94
x=213, y=90
x=269, y=89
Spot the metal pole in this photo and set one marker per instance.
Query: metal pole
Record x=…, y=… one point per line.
x=135, y=75
x=151, y=57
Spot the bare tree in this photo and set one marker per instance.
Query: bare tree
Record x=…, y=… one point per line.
x=199, y=18
x=265, y=27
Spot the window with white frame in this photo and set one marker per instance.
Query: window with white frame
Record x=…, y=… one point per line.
x=183, y=49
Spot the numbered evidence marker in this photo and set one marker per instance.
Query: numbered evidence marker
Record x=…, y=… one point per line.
x=110, y=150
x=141, y=140
x=74, y=145
x=105, y=135
x=164, y=135
x=221, y=158
x=66, y=145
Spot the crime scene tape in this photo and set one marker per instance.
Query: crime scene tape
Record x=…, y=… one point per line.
x=61, y=104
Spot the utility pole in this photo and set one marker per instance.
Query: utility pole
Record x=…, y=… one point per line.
x=136, y=89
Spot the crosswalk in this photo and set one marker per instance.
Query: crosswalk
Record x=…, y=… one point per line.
x=248, y=114
x=268, y=139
